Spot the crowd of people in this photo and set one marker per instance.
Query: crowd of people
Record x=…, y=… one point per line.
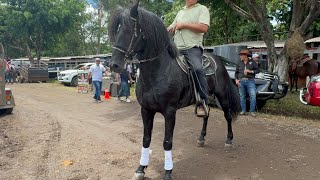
x=123, y=79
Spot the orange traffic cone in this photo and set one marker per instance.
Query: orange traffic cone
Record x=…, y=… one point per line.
x=106, y=94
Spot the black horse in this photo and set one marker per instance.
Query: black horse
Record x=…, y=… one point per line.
x=162, y=85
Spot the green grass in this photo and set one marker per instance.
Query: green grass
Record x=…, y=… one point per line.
x=54, y=81
x=290, y=105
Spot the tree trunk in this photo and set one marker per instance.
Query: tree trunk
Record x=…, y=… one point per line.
x=282, y=66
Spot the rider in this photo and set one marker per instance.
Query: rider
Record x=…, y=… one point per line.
x=191, y=23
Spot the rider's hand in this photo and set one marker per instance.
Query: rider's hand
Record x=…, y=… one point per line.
x=179, y=26
x=171, y=29
x=238, y=82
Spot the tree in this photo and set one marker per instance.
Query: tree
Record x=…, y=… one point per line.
x=304, y=13
x=33, y=25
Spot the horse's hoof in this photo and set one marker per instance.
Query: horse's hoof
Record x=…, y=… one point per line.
x=228, y=146
x=201, y=143
x=138, y=176
x=167, y=175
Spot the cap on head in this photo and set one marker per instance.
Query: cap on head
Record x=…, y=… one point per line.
x=245, y=52
x=255, y=55
x=97, y=59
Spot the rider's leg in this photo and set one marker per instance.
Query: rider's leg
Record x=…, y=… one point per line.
x=194, y=56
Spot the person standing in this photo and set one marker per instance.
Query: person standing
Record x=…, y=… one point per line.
x=125, y=76
x=96, y=72
x=245, y=74
x=189, y=26
x=255, y=57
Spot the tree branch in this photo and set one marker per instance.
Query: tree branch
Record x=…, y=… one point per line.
x=254, y=9
x=314, y=13
x=239, y=10
x=297, y=15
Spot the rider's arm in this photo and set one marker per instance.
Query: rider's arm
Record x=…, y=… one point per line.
x=195, y=27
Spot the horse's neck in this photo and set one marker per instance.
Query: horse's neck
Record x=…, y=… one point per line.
x=157, y=69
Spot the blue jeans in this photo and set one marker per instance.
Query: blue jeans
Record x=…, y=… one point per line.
x=124, y=89
x=247, y=86
x=194, y=56
x=97, y=87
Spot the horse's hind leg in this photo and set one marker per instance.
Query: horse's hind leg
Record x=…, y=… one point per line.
x=147, y=117
x=170, y=120
x=201, y=139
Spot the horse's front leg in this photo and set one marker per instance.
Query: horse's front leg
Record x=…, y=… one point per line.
x=170, y=120
x=201, y=139
x=228, y=116
x=147, y=117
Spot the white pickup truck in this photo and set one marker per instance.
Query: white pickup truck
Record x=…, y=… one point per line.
x=70, y=77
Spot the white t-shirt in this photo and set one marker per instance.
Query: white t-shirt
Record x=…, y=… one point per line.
x=97, y=72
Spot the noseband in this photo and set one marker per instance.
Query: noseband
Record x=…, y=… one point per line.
x=130, y=51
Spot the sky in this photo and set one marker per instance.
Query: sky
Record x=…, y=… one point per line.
x=93, y=3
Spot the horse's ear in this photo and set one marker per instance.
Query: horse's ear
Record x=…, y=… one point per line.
x=134, y=10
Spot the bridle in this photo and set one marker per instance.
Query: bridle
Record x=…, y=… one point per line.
x=130, y=51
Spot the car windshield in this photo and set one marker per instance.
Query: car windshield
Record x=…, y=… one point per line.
x=79, y=66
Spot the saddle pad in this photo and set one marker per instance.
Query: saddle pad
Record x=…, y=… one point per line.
x=208, y=63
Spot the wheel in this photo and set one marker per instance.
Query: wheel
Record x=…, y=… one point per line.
x=260, y=104
x=74, y=81
x=9, y=111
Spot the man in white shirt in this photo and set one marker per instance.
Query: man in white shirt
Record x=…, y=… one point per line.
x=96, y=72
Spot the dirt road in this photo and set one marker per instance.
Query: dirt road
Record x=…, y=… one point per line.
x=57, y=134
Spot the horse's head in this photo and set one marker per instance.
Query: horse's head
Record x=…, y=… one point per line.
x=126, y=35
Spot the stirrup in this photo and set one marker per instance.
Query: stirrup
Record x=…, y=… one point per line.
x=205, y=107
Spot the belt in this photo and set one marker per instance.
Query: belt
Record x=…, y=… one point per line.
x=246, y=78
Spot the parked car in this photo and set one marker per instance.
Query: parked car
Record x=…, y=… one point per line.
x=70, y=77
x=268, y=85
x=310, y=95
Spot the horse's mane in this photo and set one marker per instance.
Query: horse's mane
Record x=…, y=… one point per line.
x=155, y=33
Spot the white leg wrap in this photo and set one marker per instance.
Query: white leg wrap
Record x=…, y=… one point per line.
x=168, y=164
x=144, y=161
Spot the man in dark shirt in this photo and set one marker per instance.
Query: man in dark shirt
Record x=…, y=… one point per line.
x=245, y=73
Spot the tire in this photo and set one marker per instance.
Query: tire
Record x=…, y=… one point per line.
x=74, y=81
x=261, y=104
x=9, y=111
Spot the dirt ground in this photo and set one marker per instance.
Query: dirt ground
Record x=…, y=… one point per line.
x=55, y=133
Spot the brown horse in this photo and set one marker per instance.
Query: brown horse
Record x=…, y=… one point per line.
x=302, y=68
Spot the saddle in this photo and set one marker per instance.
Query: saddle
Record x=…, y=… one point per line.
x=209, y=65
x=299, y=62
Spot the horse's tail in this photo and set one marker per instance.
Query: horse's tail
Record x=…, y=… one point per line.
x=233, y=99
